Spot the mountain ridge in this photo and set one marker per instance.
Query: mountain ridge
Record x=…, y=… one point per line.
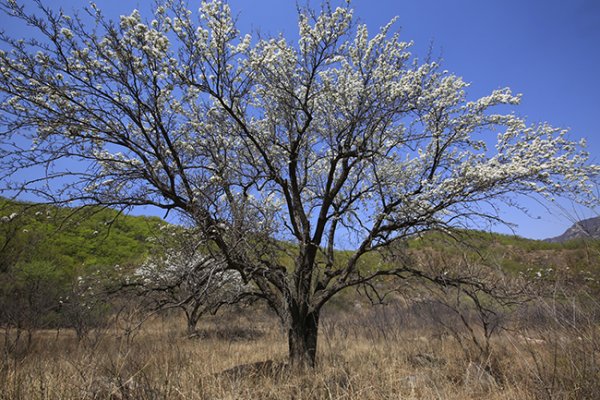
x=585, y=229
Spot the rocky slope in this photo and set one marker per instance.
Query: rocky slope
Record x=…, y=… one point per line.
x=587, y=228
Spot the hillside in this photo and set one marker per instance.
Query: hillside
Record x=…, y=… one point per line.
x=72, y=238
x=96, y=236
x=51, y=258
x=585, y=229
x=576, y=261
x=82, y=240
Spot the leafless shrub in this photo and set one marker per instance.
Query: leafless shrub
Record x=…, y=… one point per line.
x=564, y=347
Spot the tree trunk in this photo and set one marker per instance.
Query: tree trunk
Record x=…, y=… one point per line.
x=302, y=340
x=191, y=325
x=192, y=317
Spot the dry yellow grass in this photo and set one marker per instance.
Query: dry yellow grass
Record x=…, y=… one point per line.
x=357, y=359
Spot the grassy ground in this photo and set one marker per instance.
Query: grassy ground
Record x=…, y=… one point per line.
x=364, y=354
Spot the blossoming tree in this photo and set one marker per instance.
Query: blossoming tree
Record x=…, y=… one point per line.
x=178, y=276
x=278, y=152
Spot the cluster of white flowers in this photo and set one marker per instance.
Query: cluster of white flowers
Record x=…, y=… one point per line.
x=8, y=218
x=66, y=32
x=325, y=27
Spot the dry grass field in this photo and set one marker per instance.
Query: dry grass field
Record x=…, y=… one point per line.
x=366, y=353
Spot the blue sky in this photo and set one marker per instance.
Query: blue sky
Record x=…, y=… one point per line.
x=548, y=50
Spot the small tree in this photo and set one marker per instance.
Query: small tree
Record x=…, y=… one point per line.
x=85, y=307
x=479, y=294
x=179, y=276
x=278, y=152
x=31, y=281
x=29, y=297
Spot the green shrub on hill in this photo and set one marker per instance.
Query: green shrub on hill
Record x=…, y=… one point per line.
x=47, y=251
